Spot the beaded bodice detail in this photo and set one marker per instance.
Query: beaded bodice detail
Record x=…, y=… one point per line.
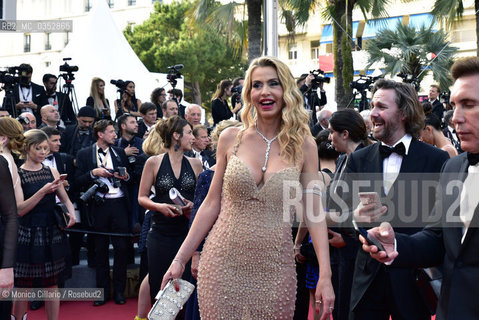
x=247, y=268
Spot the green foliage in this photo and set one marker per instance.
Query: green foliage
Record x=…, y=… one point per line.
x=167, y=38
x=406, y=50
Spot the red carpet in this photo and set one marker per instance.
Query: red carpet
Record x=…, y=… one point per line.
x=84, y=310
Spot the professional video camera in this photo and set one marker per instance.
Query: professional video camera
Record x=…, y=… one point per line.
x=445, y=96
x=98, y=186
x=363, y=83
x=13, y=75
x=120, y=84
x=174, y=73
x=68, y=70
x=318, y=78
x=409, y=78
x=238, y=90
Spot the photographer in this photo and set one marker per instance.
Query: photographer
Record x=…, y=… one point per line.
x=80, y=135
x=236, y=97
x=177, y=95
x=27, y=93
x=309, y=89
x=57, y=99
x=103, y=166
x=128, y=102
x=28, y=121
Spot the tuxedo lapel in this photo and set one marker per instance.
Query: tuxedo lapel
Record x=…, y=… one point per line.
x=453, y=236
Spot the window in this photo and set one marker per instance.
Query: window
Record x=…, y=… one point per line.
x=48, y=45
x=27, y=40
x=293, y=52
x=87, y=5
x=47, y=64
x=111, y=3
x=131, y=2
x=314, y=50
x=67, y=38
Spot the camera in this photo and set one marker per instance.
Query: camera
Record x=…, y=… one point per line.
x=120, y=84
x=13, y=75
x=98, y=186
x=445, y=96
x=238, y=90
x=409, y=78
x=319, y=77
x=23, y=120
x=174, y=73
x=363, y=83
x=68, y=68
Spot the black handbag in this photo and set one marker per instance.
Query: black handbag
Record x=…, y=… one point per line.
x=429, y=283
x=61, y=214
x=307, y=250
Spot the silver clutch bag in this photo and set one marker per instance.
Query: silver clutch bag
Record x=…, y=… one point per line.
x=169, y=301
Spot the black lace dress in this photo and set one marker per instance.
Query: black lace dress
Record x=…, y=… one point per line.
x=43, y=254
x=167, y=233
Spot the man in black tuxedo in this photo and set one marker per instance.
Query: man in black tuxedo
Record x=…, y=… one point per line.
x=149, y=115
x=63, y=162
x=80, y=135
x=177, y=95
x=103, y=162
x=455, y=239
x=26, y=93
x=199, y=148
x=380, y=291
x=437, y=106
x=57, y=99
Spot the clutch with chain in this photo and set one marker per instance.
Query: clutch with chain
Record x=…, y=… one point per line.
x=169, y=301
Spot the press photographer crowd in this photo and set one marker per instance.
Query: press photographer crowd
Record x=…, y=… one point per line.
x=149, y=177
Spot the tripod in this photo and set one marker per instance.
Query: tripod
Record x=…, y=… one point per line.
x=69, y=92
x=9, y=101
x=363, y=103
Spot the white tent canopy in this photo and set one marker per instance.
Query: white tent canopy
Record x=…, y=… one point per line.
x=100, y=49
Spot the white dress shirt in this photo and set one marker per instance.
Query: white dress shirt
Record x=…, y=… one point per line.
x=392, y=164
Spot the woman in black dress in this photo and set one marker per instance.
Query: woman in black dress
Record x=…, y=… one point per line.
x=97, y=99
x=8, y=235
x=219, y=106
x=169, y=223
x=128, y=102
x=42, y=247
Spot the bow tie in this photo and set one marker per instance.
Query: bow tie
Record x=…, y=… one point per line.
x=473, y=158
x=50, y=157
x=386, y=151
x=25, y=86
x=100, y=150
x=84, y=133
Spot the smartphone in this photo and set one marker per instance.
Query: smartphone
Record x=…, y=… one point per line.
x=63, y=176
x=369, y=198
x=369, y=238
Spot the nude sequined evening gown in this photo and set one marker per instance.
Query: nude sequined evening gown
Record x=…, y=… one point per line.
x=247, y=268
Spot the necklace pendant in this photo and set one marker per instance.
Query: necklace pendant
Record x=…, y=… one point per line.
x=263, y=169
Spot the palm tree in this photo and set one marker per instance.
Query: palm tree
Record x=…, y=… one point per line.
x=453, y=10
x=340, y=13
x=413, y=52
x=222, y=18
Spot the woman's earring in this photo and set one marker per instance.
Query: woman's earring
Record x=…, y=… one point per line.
x=177, y=146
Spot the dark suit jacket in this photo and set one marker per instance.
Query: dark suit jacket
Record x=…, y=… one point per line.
x=65, y=108
x=70, y=140
x=433, y=245
x=37, y=91
x=86, y=161
x=438, y=109
x=421, y=158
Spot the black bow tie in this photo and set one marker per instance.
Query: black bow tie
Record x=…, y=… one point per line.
x=386, y=151
x=473, y=158
x=100, y=150
x=84, y=133
x=50, y=157
x=25, y=86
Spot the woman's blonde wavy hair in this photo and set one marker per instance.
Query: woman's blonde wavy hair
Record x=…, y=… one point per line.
x=153, y=144
x=294, y=118
x=13, y=130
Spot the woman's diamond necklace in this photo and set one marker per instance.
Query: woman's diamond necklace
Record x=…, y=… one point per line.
x=269, y=142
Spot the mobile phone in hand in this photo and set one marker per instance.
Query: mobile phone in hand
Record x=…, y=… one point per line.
x=63, y=176
x=369, y=198
x=369, y=238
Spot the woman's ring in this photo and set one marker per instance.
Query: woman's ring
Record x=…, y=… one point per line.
x=319, y=301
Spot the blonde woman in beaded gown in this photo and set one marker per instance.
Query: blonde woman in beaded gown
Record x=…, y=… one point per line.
x=247, y=268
